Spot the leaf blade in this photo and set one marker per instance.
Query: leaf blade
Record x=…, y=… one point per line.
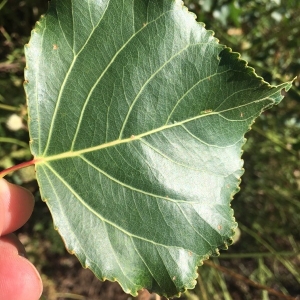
x=139, y=135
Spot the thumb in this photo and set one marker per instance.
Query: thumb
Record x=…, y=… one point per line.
x=19, y=280
x=16, y=206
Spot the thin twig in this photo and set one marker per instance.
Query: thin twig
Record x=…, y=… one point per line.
x=258, y=255
x=10, y=67
x=9, y=107
x=202, y=287
x=248, y=281
x=13, y=141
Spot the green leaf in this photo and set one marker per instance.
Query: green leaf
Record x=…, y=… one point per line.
x=137, y=118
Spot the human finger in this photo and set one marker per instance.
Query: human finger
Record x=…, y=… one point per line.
x=18, y=277
x=16, y=206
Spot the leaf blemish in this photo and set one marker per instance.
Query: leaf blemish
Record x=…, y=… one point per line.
x=207, y=111
x=283, y=92
x=55, y=47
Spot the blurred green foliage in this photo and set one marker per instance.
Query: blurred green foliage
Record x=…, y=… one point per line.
x=16, y=21
x=267, y=34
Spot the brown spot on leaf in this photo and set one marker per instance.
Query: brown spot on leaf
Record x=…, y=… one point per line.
x=283, y=92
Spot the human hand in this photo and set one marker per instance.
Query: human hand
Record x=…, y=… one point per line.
x=19, y=279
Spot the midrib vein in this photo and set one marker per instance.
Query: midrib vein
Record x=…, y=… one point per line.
x=68, y=154
x=102, y=146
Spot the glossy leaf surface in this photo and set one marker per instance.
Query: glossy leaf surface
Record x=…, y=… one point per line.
x=137, y=120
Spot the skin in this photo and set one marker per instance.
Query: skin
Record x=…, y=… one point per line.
x=19, y=279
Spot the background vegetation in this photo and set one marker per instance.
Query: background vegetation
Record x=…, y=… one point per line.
x=267, y=255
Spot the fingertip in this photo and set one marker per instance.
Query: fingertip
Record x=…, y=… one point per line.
x=19, y=279
x=33, y=283
x=16, y=206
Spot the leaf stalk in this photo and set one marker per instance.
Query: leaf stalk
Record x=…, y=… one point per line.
x=18, y=167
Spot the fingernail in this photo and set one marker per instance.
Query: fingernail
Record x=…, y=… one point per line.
x=22, y=254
